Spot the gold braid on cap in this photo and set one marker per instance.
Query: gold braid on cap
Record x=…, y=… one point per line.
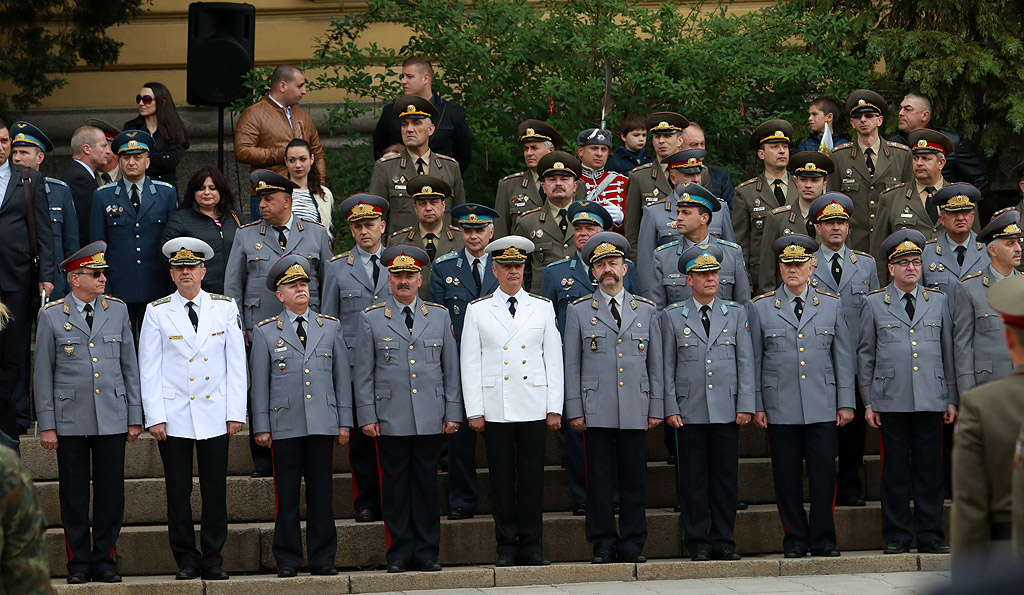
x=905, y=247
x=98, y=259
x=960, y=202
x=264, y=186
x=510, y=255
x=663, y=125
x=1009, y=231
x=795, y=253
x=404, y=262
x=410, y=110
x=777, y=135
x=531, y=133
x=184, y=255
x=833, y=210
x=292, y=273
x=811, y=167
x=364, y=211
x=603, y=250
x=703, y=263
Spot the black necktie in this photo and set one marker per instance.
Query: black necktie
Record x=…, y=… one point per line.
x=88, y=315
x=281, y=239
x=376, y=269
x=136, y=202
x=300, y=330
x=705, y=317
x=105, y=177
x=563, y=221
x=961, y=252
x=408, y=317
x=811, y=232
x=431, y=248
x=476, y=274
x=798, y=307
x=779, y=194
x=615, y=313
x=910, y=305
x=870, y=163
x=512, y=306
x=837, y=269
x=193, y=315
x=420, y=164
x=929, y=204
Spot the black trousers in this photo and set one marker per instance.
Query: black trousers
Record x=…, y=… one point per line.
x=791, y=446
x=849, y=485
x=912, y=469
x=212, y=456
x=310, y=458
x=409, y=501
x=22, y=318
x=608, y=450
x=261, y=458
x=575, y=464
x=362, y=458
x=515, y=457
x=104, y=457
x=136, y=314
x=463, y=489
x=708, y=485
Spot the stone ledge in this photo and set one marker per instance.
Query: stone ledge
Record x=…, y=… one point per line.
x=685, y=569
x=849, y=563
x=473, y=577
x=519, y=576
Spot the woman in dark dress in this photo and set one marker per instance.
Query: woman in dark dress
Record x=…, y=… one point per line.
x=159, y=117
x=207, y=213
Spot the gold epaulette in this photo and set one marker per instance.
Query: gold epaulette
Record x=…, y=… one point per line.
x=845, y=145
x=530, y=212
x=160, y=301
x=328, y=317
x=250, y=224
x=865, y=254
x=435, y=305
x=482, y=298
x=938, y=291
x=742, y=184
x=217, y=296
x=782, y=209
x=896, y=145
x=53, y=303
x=582, y=299
x=388, y=158
x=641, y=167
x=643, y=299
x=114, y=299
x=833, y=295
x=763, y=295
x=515, y=175
x=312, y=221
x=342, y=255
x=540, y=297
x=897, y=187
x=443, y=156
x=401, y=231
x=267, y=321
x=875, y=291
x=972, y=275
x=375, y=306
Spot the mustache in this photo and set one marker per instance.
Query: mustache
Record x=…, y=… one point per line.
x=610, y=274
x=403, y=286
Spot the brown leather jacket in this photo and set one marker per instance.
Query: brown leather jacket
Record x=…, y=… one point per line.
x=262, y=133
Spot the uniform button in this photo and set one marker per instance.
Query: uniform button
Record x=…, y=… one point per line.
x=95, y=360
x=191, y=378
x=410, y=348
x=95, y=375
x=412, y=361
x=192, y=398
x=375, y=298
x=803, y=363
x=97, y=391
x=801, y=351
x=207, y=396
x=307, y=383
x=915, y=368
x=505, y=348
x=309, y=396
x=709, y=361
x=136, y=225
x=506, y=378
x=913, y=343
x=207, y=377
x=915, y=355
x=565, y=245
x=871, y=187
x=621, y=370
x=506, y=362
x=872, y=215
x=306, y=370
x=138, y=249
x=620, y=355
x=710, y=373
x=911, y=331
x=414, y=391
x=803, y=377
x=206, y=359
x=414, y=377
x=871, y=202
x=524, y=377
x=92, y=345
x=190, y=360
x=800, y=336
x=621, y=384
x=711, y=386
x=138, y=262
x=524, y=346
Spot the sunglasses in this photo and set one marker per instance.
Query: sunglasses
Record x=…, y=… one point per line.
x=93, y=274
x=146, y=99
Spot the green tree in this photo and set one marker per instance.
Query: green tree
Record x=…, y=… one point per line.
x=42, y=40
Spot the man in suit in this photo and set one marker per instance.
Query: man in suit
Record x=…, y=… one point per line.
x=255, y=248
x=520, y=191
x=90, y=152
x=957, y=251
x=88, y=404
x=503, y=327
x=431, y=233
x=648, y=183
x=356, y=280
x=804, y=390
x=130, y=216
x=111, y=172
x=907, y=376
x=707, y=418
x=193, y=392
x=713, y=177
x=28, y=149
x=986, y=452
x=391, y=175
x=407, y=406
x=851, y=275
x=614, y=417
x=301, y=416
x=457, y=279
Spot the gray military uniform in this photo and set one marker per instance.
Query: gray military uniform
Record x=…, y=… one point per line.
x=391, y=176
x=255, y=249
x=668, y=285
x=779, y=222
x=978, y=332
x=859, y=278
x=940, y=269
x=348, y=290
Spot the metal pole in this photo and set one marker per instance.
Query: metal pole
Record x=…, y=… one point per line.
x=220, y=138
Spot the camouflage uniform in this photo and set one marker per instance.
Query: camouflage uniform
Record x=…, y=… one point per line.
x=23, y=569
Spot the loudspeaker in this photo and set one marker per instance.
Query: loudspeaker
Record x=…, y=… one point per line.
x=221, y=45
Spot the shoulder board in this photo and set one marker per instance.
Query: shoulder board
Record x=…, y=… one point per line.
x=267, y=321
x=933, y=290
x=875, y=291
x=832, y=295
x=114, y=299
x=447, y=256
x=56, y=181
x=513, y=176
x=107, y=185
x=250, y=224
x=641, y=167
x=931, y=241
x=654, y=204
x=328, y=317
x=782, y=209
x=161, y=301
x=432, y=304
x=53, y=303
x=897, y=187
x=582, y=299
x=445, y=157
x=727, y=243
x=896, y=145
x=530, y=212
x=668, y=245
x=375, y=306
x=972, y=275
x=342, y=255
x=742, y=184
x=217, y=296
x=388, y=158
x=559, y=261
x=454, y=228
x=845, y=145
x=311, y=221
x=482, y=298
x=733, y=304
x=675, y=305
x=540, y=297
x=643, y=299
x=401, y=231
x=159, y=183
x=763, y=295
x=864, y=254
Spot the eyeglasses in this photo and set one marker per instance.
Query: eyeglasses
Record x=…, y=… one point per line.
x=146, y=99
x=93, y=274
x=906, y=262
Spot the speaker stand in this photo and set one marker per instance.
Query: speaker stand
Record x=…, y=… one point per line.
x=220, y=138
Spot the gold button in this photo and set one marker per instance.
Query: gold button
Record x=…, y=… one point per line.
x=524, y=346
x=803, y=377
x=206, y=359
x=306, y=370
x=414, y=391
x=309, y=396
x=871, y=187
x=207, y=396
x=414, y=377
x=620, y=340
x=190, y=360
x=620, y=355
x=710, y=373
x=97, y=391
x=913, y=343
x=915, y=355
x=803, y=363
x=95, y=360
x=412, y=361
x=565, y=245
x=711, y=386
x=506, y=378
x=191, y=378
x=524, y=377
x=801, y=350
x=506, y=362
x=800, y=336
x=621, y=370
x=505, y=348
x=207, y=377
x=621, y=384
x=410, y=348
x=911, y=331
x=871, y=202
x=307, y=383
x=193, y=397
x=95, y=375
x=92, y=345
x=915, y=368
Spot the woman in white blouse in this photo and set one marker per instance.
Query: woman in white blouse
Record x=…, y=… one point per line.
x=311, y=200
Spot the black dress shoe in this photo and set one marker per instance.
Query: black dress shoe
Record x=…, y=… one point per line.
x=286, y=572
x=933, y=547
x=896, y=548
x=505, y=560
x=533, y=559
x=426, y=565
x=603, y=557
x=725, y=554
x=365, y=516
x=187, y=574
x=109, y=576
x=851, y=502
x=396, y=566
x=214, y=573
x=795, y=554
x=78, y=578
x=701, y=556
x=580, y=510
x=631, y=557
x=261, y=473
x=741, y=505
x=671, y=460
x=460, y=513
x=826, y=552
x=323, y=571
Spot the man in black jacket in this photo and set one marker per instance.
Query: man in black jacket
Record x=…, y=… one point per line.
x=962, y=165
x=89, y=151
x=452, y=136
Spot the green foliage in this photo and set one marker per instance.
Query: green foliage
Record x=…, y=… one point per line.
x=43, y=39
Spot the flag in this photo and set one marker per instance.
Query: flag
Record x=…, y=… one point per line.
x=826, y=141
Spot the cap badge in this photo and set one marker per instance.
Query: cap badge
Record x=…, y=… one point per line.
x=922, y=143
x=558, y=165
x=427, y=190
x=530, y=132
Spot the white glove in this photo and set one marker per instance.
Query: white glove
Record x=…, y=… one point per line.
x=615, y=212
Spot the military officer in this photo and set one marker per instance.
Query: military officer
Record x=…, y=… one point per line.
x=301, y=432
x=255, y=248
x=984, y=450
x=520, y=192
x=355, y=280
x=429, y=195
x=1017, y=490
x=391, y=175
x=804, y=390
x=693, y=212
x=851, y=275
x=406, y=424
x=957, y=251
x=87, y=420
x=754, y=199
x=614, y=417
x=513, y=413
x=978, y=331
x=868, y=166
x=905, y=367
x=809, y=170
x=707, y=419
x=193, y=392
x=648, y=183
x=457, y=279
x=130, y=216
x=29, y=147
x=548, y=226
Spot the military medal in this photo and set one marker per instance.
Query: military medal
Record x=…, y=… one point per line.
x=69, y=350
x=593, y=344
x=641, y=346
x=455, y=282
x=540, y=233
x=67, y=326
x=281, y=365
x=593, y=320
x=455, y=309
x=686, y=331
x=280, y=342
x=447, y=279
x=259, y=245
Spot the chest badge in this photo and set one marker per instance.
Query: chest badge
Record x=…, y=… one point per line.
x=67, y=326
x=593, y=320
x=281, y=365
x=641, y=346
x=686, y=331
x=69, y=350
x=455, y=309
x=447, y=279
x=593, y=344
x=259, y=245
x=280, y=342
x=456, y=282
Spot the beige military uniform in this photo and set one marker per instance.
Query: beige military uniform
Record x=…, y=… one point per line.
x=1017, y=496
x=391, y=175
x=550, y=244
x=516, y=193
x=780, y=221
x=751, y=205
x=449, y=239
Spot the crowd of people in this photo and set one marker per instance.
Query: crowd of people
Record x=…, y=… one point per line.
x=604, y=293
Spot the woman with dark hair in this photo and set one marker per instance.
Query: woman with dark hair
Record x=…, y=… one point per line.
x=311, y=200
x=9, y=373
x=159, y=117
x=207, y=213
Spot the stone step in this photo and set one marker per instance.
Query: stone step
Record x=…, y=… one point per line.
x=144, y=550
x=252, y=500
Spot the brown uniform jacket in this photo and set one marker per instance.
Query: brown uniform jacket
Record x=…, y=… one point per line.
x=390, y=179
x=550, y=244
x=263, y=132
x=752, y=202
x=449, y=239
